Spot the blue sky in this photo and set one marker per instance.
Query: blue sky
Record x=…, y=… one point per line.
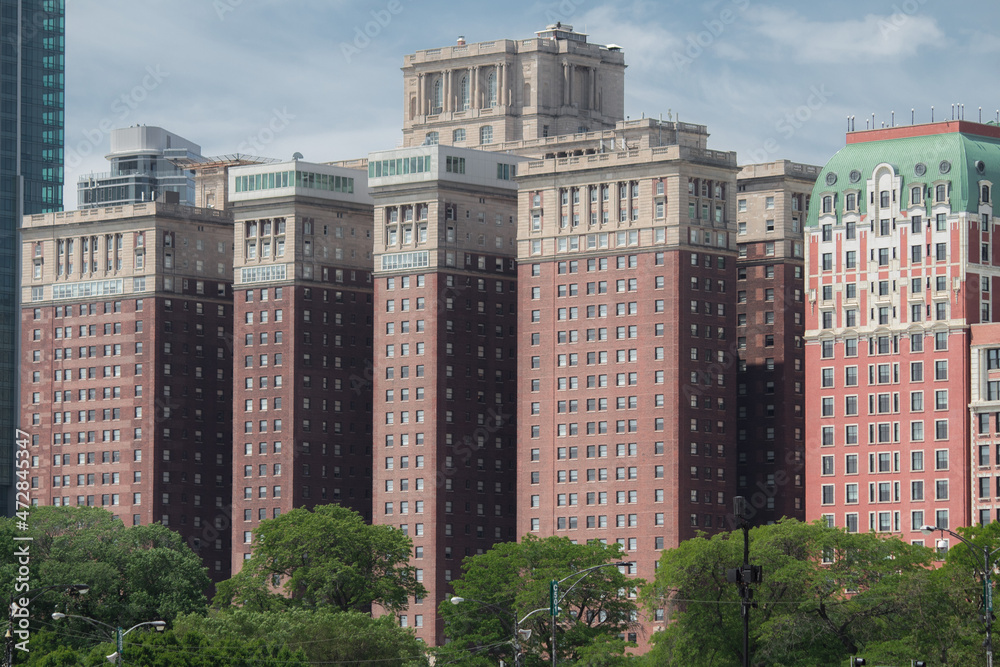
x=770, y=78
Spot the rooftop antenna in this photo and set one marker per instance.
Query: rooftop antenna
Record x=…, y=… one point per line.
x=953, y=111
x=911, y=115
x=893, y=118
x=873, y=120
x=848, y=123
x=852, y=123
x=932, y=113
x=980, y=114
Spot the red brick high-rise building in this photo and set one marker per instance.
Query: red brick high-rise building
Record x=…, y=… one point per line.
x=445, y=362
x=984, y=405
x=626, y=336
x=302, y=342
x=900, y=260
x=126, y=328
x=771, y=207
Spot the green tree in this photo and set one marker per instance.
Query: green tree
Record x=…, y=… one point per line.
x=937, y=621
x=168, y=649
x=323, y=636
x=942, y=609
x=324, y=557
x=135, y=573
x=512, y=579
x=826, y=594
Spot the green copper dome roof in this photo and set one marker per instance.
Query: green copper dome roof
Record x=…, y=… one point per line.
x=961, y=158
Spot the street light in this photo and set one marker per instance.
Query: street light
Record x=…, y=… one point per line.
x=987, y=555
x=118, y=657
x=555, y=600
x=19, y=607
x=518, y=634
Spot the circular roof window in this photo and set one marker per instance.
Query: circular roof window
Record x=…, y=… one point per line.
x=831, y=178
x=920, y=169
x=855, y=176
x=944, y=167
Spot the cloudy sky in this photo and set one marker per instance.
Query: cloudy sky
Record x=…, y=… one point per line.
x=770, y=78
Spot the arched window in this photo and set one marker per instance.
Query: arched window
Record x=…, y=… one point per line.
x=486, y=134
x=458, y=135
x=491, y=89
x=463, y=93
x=431, y=139
x=986, y=194
x=437, y=96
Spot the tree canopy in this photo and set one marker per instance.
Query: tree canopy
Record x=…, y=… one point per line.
x=135, y=573
x=324, y=557
x=322, y=636
x=826, y=595
x=169, y=649
x=511, y=580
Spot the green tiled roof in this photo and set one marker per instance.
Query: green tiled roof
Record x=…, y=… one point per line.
x=963, y=151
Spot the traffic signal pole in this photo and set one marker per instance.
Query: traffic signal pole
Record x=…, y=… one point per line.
x=744, y=576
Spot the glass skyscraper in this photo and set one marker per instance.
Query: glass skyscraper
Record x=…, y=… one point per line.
x=32, y=66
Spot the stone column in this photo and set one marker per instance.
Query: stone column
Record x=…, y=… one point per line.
x=565, y=95
x=593, y=87
x=469, y=86
x=420, y=95
x=502, y=98
x=475, y=87
x=446, y=104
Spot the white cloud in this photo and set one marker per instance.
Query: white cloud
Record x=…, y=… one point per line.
x=647, y=43
x=873, y=37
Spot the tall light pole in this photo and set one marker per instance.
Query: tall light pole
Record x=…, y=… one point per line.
x=988, y=563
x=19, y=608
x=744, y=576
x=555, y=600
x=118, y=657
x=518, y=632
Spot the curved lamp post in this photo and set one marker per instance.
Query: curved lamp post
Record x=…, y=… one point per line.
x=518, y=633
x=19, y=604
x=118, y=657
x=987, y=565
x=555, y=601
